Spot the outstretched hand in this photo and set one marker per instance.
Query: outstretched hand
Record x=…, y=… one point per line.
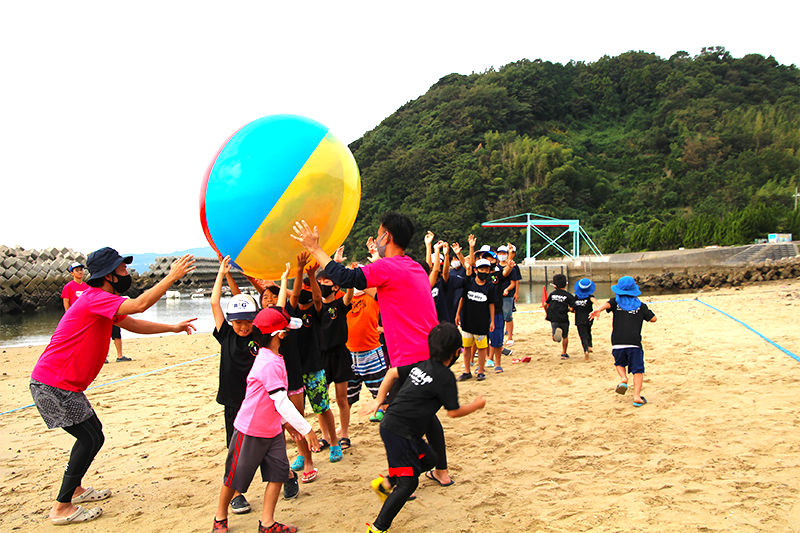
x=339, y=255
x=302, y=260
x=428, y=237
x=185, y=326
x=224, y=264
x=182, y=266
x=472, y=241
x=456, y=248
x=305, y=235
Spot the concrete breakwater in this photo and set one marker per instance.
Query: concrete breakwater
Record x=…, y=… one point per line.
x=32, y=280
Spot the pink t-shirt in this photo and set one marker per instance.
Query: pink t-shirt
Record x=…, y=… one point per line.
x=79, y=346
x=73, y=290
x=257, y=416
x=407, y=309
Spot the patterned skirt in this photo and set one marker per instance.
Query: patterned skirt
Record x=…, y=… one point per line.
x=60, y=408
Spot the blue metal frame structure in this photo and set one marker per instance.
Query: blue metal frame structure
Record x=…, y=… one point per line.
x=534, y=221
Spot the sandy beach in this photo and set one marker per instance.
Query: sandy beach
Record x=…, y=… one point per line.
x=717, y=447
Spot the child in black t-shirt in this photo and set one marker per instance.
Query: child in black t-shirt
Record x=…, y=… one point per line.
x=559, y=303
x=424, y=388
x=475, y=316
x=234, y=336
x=626, y=334
x=335, y=356
x=582, y=306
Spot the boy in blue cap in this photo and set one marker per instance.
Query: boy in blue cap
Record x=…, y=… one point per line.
x=582, y=306
x=626, y=334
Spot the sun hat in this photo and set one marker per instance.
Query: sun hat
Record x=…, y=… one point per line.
x=273, y=319
x=584, y=288
x=626, y=286
x=105, y=261
x=74, y=265
x=482, y=263
x=242, y=307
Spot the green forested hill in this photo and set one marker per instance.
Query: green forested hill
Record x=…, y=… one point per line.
x=648, y=153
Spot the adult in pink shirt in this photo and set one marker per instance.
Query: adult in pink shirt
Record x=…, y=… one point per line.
x=404, y=296
x=73, y=359
x=74, y=288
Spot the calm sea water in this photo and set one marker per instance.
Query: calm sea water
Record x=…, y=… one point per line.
x=36, y=329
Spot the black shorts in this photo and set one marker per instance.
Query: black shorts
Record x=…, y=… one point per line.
x=116, y=333
x=406, y=457
x=338, y=365
x=246, y=454
x=564, y=328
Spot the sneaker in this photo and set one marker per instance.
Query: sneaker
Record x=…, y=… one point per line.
x=276, y=527
x=489, y=362
x=220, y=526
x=480, y=376
x=377, y=417
x=564, y=356
x=240, y=505
x=558, y=335
x=464, y=377
x=291, y=488
x=123, y=359
x=506, y=351
x=379, y=488
x=299, y=464
x=106, y=364
x=373, y=529
x=336, y=454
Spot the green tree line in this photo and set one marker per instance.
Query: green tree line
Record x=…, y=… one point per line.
x=648, y=153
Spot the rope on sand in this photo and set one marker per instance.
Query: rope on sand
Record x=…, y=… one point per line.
x=126, y=379
x=775, y=344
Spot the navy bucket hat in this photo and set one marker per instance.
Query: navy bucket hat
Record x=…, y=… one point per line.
x=105, y=261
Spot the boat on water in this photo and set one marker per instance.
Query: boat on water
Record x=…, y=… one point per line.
x=198, y=295
x=172, y=295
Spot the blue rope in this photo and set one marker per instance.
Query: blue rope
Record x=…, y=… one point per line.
x=778, y=346
x=124, y=379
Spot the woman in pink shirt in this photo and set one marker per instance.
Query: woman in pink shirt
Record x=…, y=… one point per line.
x=73, y=359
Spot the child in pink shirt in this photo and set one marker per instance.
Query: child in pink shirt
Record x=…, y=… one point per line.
x=258, y=429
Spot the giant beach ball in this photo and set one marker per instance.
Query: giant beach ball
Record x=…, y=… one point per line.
x=268, y=175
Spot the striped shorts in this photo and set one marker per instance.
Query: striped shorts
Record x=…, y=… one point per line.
x=369, y=368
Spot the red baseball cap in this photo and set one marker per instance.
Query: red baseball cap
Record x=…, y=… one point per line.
x=273, y=319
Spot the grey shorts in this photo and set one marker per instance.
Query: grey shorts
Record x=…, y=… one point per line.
x=246, y=454
x=60, y=408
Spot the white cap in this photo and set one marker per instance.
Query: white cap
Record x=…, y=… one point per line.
x=242, y=307
x=485, y=248
x=74, y=265
x=482, y=263
x=503, y=248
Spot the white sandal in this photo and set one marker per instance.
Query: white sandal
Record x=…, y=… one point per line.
x=91, y=495
x=81, y=515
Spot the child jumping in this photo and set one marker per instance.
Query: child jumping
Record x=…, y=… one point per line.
x=424, y=388
x=258, y=432
x=558, y=305
x=626, y=334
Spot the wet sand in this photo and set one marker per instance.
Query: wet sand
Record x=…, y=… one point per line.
x=716, y=448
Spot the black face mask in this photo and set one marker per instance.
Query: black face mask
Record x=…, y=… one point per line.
x=483, y=276
x=122, y=284
x=326, y=290
x=305, y=297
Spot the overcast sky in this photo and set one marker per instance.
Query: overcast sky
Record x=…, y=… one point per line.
x=110, y=112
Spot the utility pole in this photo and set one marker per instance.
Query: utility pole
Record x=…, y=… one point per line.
x=796, y=195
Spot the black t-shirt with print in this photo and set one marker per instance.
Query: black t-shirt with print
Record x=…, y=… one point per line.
x=627, y=325
x=514, y=275
x=235, y=362
x=307, y=341
x=559, y=301
x=441, y=300
x=333, y=325
x=582, y=307
x=424, y=388
x=290, y=350
x=475, y=315
x=500, y=282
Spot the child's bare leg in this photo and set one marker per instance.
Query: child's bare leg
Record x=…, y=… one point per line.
x=482, y=352
x=271, y=493
x=468, y=358
x=637, y=387
x=623, y=375
x=497, y=354
x=344, y=409
x=564, y=344
x=510, y=329
x=302, y=445
x=118, y=346
x=327, y=424
x=225, y=497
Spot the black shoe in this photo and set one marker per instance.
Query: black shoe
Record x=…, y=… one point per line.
x=506, y=351
x=291, y=488
x=239, y=505
x=123, y=359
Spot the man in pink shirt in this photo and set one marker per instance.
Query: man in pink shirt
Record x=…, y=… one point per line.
x=73, y=359
x=404, y=297
x=72, y=290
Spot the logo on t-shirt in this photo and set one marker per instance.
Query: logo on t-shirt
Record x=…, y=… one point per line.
x=78, y=294
x=559, y=297
x=306, y=320
x=333, y=313
x=476, y=296
x=418, y=377
x=435, y=292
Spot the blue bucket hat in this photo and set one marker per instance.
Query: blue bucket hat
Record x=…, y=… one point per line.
x=584, y=288
x=626, y=286
x=105, y=261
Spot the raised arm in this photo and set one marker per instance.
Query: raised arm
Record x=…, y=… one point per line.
x=180, y=267
x=284, y=282
x=434, y=275
x=446, y=266
x=471, y=263
x=428, y=241
x=302, y=261
x=316, y=294
x=216, y=292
